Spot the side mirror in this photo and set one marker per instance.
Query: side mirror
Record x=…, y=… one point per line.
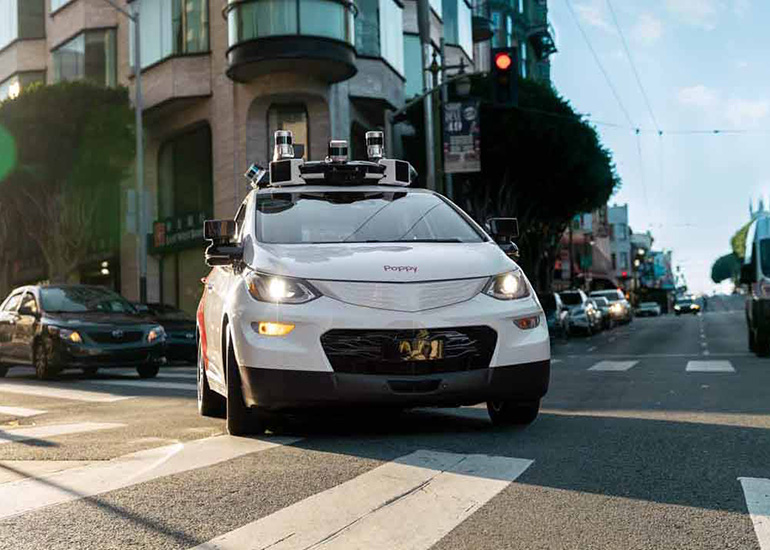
x=503, y=229
x=747, y=274
x=222, y=250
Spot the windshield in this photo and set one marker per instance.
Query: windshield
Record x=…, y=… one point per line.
x=684, y=302
x=648, y=305
x=359, y=217
x=764, y=254
x=78, y=299
x=548, y=301
x=611, y=295
x=571, y=298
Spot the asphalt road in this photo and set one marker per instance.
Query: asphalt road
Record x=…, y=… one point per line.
x=632, y=450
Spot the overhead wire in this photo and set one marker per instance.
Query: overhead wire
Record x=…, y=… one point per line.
x=599, y=63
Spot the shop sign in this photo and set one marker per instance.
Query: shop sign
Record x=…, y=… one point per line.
x=462, y=137
x=184, y=231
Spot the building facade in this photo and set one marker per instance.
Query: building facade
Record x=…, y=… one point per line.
x=620, y=240
x=219, y=77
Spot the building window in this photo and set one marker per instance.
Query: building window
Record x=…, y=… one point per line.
x=57, y=4
x=185, y=184
x=508, y=31
x=523, y=55
x=391, y=34
x=12, y=87
x=21, y=20
x=624, y=260
x=368, y=28
x=621, y=232
x=458, y=26
x=521, y=7
x=89, y=56
x=289, y=117
x=412, y=65
x=171, y=27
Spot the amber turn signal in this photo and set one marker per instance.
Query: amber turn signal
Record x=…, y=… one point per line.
x=527, y=323
x=266, y=328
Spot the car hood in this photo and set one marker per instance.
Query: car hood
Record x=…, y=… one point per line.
x=88, y=319
x=387, y=262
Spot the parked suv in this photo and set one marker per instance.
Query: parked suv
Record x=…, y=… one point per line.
x=556, y=313
x=582, y=313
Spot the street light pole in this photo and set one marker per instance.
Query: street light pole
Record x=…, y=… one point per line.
x=423, y=23
x=133, y=16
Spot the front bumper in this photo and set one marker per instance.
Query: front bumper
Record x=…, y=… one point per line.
x=291, y=389
x=67, y=355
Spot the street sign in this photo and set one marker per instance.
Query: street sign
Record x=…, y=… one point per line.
x=462, y=137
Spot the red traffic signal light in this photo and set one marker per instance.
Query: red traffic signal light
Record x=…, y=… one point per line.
x=624, y=274
x=503, y=61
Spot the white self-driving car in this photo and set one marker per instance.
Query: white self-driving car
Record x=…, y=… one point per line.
x=339, y=285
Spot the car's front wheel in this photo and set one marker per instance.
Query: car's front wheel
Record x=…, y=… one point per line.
x=148, y=371
x=513, y=413
x=240, y=419
x=210, y=403
x=3, y=371
x=44, y=369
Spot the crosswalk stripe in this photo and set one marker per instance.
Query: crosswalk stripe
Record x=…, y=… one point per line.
x=41, y=432
x=58, y=391
x=613, y=366
x=710, y=366
x=139, y=383
x=23, y=496
x=426, y=494
x=20, y=411
x=757, y=494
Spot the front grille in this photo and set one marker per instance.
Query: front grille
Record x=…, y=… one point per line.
x=110, y=337
x=377, y=351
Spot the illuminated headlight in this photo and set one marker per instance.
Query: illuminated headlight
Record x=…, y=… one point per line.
x=70, y=335
x=677, y=308
x=616, y=308
x=507, y=286
x=279, y=290
x=156, y=333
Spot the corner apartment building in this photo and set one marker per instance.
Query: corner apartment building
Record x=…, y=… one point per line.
x=219, y=77
x=620, y=239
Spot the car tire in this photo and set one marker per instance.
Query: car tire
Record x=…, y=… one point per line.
x=90, y=371
x=210, y=403
x=148, y=371
x=513, y=413
x=44, y=370
x=3, y=371
x=241, y=420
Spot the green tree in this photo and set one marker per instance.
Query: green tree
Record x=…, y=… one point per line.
x=74, y=144
x=543, y=164
x=738, y=241
x=726, y=267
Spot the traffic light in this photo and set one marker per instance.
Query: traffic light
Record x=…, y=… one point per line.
x=504, y=76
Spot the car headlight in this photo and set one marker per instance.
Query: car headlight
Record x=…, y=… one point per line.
x=507, y=286
x=70, y=335
x=279, y=290
x=156, y=333
x=616, y=308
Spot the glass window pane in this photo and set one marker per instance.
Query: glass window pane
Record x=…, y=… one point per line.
x=32, y=19
x=9, y=22
x=368, y=28
x=196, y=26
x=69, y=60
x=185, y=184
x=412, y=65
x=391, y=34
x=263, y=18
x=437, y=7
x=450, y=21
x=323, y=18
x=499, y=32
x=465, y=27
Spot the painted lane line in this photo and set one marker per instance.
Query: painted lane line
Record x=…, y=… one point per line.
x=613, y=366
x=31, y=494
x=151, y=384
x=42, y=432
x=58, y=391
x=709, y=366
x=757, y=494
x=426, y=494
x=20, y=411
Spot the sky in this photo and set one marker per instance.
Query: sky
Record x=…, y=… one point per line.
x=704, y=66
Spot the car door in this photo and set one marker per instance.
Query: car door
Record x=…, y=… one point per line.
x=24, y=330
x=8, y=318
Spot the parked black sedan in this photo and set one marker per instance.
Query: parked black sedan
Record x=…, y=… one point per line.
x=180, y=331
x=85, y=327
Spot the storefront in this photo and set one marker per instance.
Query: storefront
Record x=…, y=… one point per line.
x=185, y=200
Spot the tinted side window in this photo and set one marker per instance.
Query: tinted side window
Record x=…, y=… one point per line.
x=240, y=217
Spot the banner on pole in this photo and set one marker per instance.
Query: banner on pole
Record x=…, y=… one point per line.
x=462, y=137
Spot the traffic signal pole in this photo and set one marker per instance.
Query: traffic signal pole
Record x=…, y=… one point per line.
x=423, y=23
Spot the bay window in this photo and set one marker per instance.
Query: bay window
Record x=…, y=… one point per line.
x=91, y=55
x=171, y=27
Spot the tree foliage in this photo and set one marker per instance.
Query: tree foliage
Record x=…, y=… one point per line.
x=74, y=144
x=726, y=267
x=542, y=164
x=738, y=241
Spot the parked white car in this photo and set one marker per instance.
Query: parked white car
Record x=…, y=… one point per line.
x=338, y=284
